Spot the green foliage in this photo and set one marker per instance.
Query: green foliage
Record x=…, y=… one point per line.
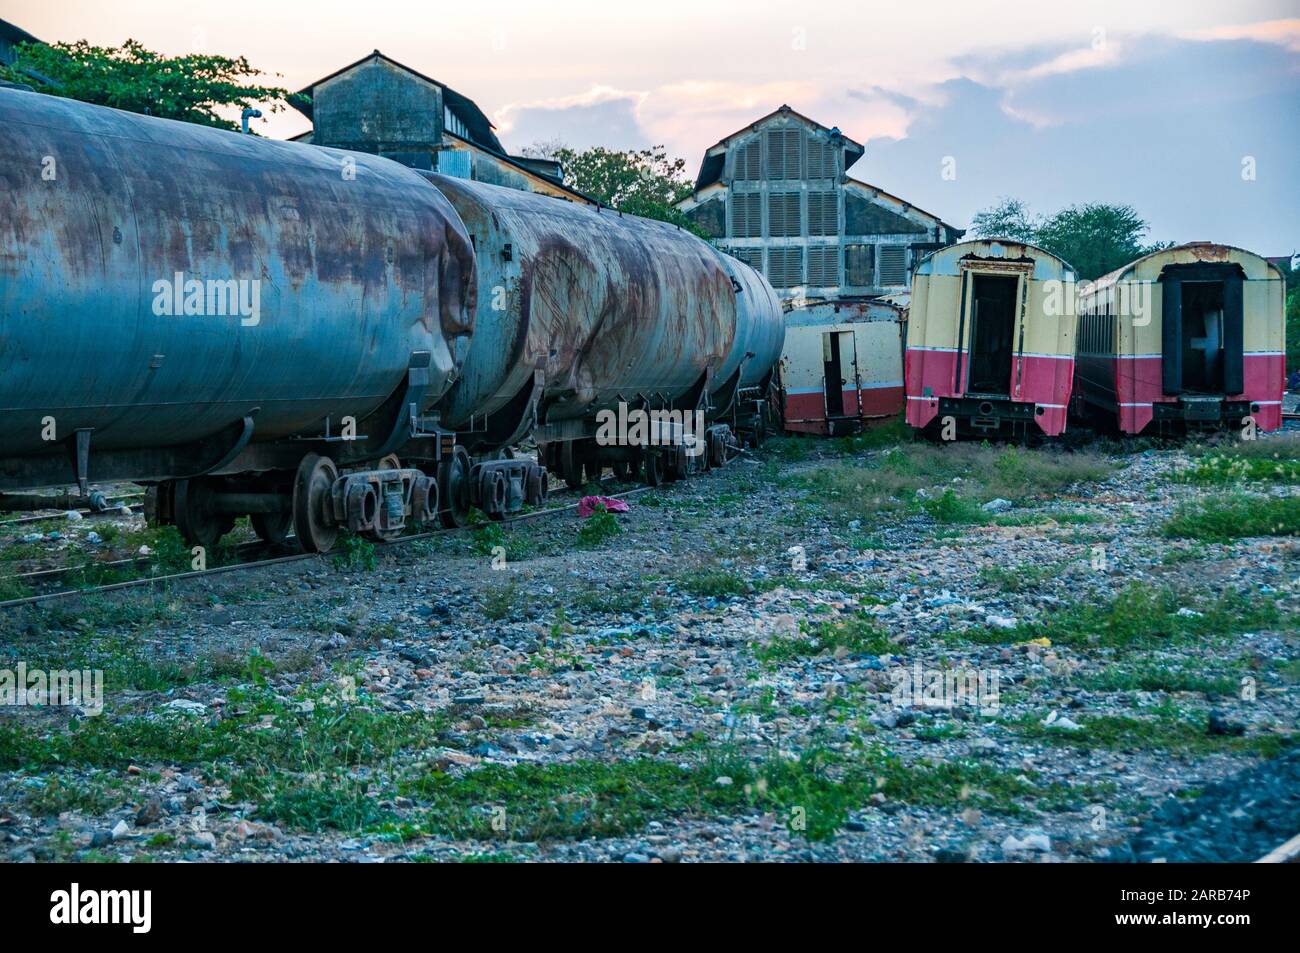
x=1009, y=218
x=1239, y=516
x=1142, y=616
x=641, y=182
x=1272, y=460
x=812, y=795
x=1293, y=329
x=859, y=634
x=190, y=88
x=355, y=552
x=1094, y=237
x=1164, y=728
x=600, y=526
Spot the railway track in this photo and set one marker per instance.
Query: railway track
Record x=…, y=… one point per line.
x=1288, y=853
x=249, y=549
x=111, y=510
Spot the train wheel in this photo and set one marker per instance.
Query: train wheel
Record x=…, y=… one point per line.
x=570, y=464
x=654, y=469
x=196, y=516
x=272, y=528
x=311, y=496
x=390, y=462
x=453, y=488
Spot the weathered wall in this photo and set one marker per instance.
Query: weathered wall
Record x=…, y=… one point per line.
x=378, y=108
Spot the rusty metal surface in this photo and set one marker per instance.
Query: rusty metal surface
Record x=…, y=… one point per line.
x=358, y=264
x=760, y=325
x=609, y=307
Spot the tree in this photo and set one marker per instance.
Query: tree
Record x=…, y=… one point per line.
x=190, y=88
x=1010, y=218
x=641, y=182
x=1094, y=237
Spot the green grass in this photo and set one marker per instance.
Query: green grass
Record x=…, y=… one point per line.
x=860, y=634
x=1141, y=616
x=1165, y=728
x=598, y=528
x=1272, y=459
x=1023, y=577
x=355, y=552
x=713, y=582
x=1151, y=676
x=812, y=796
x=58, y=794
x=504, y=601
x=1240, y=516
x=886, y=484
x=299, y=761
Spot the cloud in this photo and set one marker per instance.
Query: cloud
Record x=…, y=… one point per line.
x=1166, y=128
x=1284, y=33
x=603, y=115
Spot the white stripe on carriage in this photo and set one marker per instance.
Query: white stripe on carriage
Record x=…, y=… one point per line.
x=817, y=390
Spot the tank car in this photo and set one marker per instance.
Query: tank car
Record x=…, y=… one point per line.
x=1191, y=336
x=246, y=326
x=589, y=319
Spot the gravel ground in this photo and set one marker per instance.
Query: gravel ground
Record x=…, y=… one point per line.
x=722, y=678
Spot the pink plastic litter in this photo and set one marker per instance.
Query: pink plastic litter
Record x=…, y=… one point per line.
x=588, y=505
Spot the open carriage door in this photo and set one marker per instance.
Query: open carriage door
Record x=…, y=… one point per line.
x=1018, y=336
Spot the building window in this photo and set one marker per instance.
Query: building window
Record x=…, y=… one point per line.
x=451, y=122
x=746, y=215
x=749, y=160
x=784, y=152
x=823, y=213
x=893, y=265
x=785, y=267
x=859, y=265
x=821, y=159
x=783, y=215
x=823, y=265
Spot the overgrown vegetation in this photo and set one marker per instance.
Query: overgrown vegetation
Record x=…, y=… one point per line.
x=1163, y=728
x=953, y=481
x=857, y=635
x=1222, y=519
x=1142, y=616
x=598, y=528
x=1275, y=460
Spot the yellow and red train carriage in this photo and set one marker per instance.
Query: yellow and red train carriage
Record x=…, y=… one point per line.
x=1189, y=336
x=990, y=340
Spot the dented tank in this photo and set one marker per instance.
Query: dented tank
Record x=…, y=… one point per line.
x=161, y=280
x=760, y=330
x=580, y=309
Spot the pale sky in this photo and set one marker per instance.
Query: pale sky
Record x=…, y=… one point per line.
x=1172, y=107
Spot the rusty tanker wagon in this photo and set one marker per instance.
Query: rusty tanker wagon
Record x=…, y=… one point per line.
x=319, y=339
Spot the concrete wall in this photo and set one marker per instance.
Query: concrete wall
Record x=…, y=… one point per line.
x=378, y=108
